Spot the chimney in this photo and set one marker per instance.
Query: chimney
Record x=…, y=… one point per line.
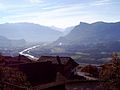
x=19, y=57
x=59, y=61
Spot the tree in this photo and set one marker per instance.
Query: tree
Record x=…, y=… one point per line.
x=110, y=74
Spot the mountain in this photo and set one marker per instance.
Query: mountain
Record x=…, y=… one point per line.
x=5, y=42
x=29, y=32
x=65, y=31
x=68, y=30
x=56, y=28
x=85, y=33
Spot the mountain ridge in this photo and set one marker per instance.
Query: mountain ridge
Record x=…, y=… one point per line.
x=5, y=42
x=29, y=31
x=91, y=33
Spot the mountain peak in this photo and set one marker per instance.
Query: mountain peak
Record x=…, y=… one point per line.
x=83, y=23
x=98, y=23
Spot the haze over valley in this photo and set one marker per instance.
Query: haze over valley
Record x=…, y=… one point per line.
x=86, y=43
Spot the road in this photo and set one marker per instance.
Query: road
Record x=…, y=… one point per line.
x=85, y=76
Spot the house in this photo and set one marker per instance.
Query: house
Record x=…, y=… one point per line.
x=41, y=75
x=65, y=64
x=49, y=73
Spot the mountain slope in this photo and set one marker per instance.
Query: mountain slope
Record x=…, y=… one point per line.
x=68, y=30
x=5, y=42
x=29, y=32
x=65, y=31
x=91, y=33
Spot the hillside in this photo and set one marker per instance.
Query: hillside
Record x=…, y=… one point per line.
x=97, y=32
x=29, y=32
x=7, y=43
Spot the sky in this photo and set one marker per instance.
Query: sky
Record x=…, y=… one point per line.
x=59, y=13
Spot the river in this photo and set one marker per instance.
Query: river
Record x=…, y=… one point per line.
x=31, y=57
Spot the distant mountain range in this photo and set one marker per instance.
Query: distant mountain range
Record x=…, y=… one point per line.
x=85, y=33
x=5, y=42
x=29, y=32
x=65, y=31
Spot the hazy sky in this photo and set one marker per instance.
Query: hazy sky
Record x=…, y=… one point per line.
x=60, y=13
